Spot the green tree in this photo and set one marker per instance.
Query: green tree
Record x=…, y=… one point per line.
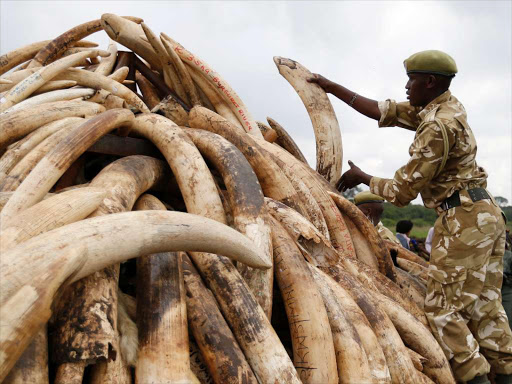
x=501, y=201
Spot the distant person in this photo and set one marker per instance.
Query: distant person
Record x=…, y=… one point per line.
x=428, y=241
x=373, y=206
x=506, y=288
x=403, y=230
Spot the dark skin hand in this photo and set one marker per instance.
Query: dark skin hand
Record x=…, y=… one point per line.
x=421, y=89
x=367, y=107
x=353, y=177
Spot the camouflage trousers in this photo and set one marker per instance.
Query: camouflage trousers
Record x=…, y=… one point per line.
x=463, y=301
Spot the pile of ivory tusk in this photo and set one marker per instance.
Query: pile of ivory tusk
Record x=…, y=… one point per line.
x=250, y=267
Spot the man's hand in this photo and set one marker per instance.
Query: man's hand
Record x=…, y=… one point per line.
x=324, y=83
x=353, y=177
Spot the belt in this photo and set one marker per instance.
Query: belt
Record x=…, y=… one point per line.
x=476, y=194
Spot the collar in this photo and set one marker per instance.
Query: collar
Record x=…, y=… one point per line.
x=434, y=104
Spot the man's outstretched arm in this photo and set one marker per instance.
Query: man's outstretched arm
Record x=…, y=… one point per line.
x=367, y=107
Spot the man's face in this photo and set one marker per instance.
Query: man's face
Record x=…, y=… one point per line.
x=417, y=89
x=373, y=211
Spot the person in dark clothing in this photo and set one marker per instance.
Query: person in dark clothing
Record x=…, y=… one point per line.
x=403, y=230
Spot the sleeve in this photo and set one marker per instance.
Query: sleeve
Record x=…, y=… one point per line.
x=393, y=114
x=426, y=155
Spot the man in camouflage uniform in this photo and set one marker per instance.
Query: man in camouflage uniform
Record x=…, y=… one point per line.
x=372, y=207
x=463, y=303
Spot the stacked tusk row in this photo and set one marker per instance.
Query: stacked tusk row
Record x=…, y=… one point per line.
x=248, y=266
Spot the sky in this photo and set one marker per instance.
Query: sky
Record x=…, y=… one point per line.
x=359, y=44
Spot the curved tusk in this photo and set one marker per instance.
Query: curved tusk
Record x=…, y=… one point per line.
x=192, y=174
x=20, y=171
x=120, y=74
x=369, y=234
x=55, y=163
x=228, y=94
x=11, y=59
x=171, y=78
x=286, y=141
x=338, y=231
x=303, y=303
x=54, y=85
x=54, y=257
x=329, y=149
x=127, y=33
x=248, y=208
x=273, y=181
x=149, y=92
x=58, y=95
x=107, y=63
x=58, y=45
x=26, y=87
x=183, y=74
x=17, y=124
x=54, y=212
x=20, y=149
x=97, y=81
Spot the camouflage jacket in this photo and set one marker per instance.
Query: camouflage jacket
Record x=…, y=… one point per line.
x=421, y=174
x=386, y=234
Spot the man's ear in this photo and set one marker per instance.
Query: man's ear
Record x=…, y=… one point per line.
x=431, y=81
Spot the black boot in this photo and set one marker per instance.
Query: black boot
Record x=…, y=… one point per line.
x=479, y=380
x=503, y=379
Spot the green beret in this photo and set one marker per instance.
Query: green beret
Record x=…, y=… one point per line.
x=367, y=197
x=435, y=62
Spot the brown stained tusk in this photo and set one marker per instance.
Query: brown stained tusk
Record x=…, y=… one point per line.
x=55, y=163
x=20, y=123
x=222, y=355
x=127, y=33
x=285, y=140
x=58, y=95
x=352, y=361
x=399, y=363
x=163, y=339
x=149, y=92
x=54, y=212
x=158, y=82
x=57, y=253
x=32, y=366
x=405, y=254
x=97, y=81
x=355, y=316
x=412, y=286
x=313, y=348
x=11, y=59
x=329, y=149
x=22, y=147
x=273, y=181
x=228, y=94
x=248, y=208
x=369, y=232
x=338, y=232
x=124, y=181
x=198, y=365
x=26, y=87
x=268, y=133
x=62, y=42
